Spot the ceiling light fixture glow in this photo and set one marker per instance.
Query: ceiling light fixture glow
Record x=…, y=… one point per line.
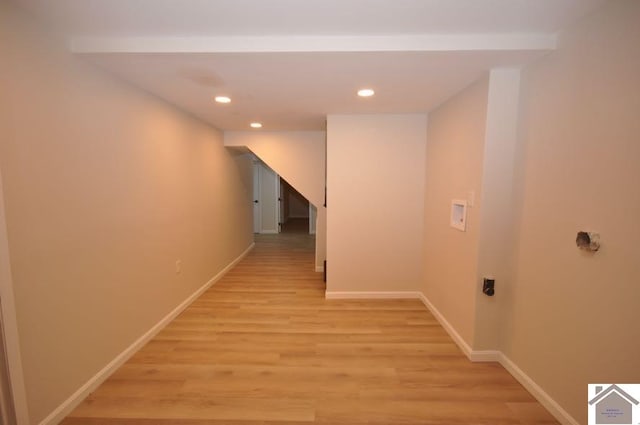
x=366, y=93
x=222, y=99
x=256, y=125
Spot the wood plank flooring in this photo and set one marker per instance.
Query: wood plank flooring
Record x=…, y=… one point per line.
x=263, y=347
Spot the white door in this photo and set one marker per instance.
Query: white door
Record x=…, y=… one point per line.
x=268, y=200
x=280, y=203
x=312, y=219
x=257, y=212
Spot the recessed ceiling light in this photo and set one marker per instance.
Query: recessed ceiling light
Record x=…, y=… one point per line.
x=366, y=93
x=223, y=99
x=256, y=125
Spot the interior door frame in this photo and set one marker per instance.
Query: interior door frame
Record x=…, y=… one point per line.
x=279, y=200
x=257, y=201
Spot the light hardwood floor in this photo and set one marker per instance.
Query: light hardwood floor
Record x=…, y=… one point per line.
x=263, y=346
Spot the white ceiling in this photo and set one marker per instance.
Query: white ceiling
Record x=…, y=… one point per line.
x=289, y=63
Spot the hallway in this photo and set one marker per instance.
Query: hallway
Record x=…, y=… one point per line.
x=296, y=225
x=263, y=346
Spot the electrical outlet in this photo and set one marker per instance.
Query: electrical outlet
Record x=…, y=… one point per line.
x=178, y=266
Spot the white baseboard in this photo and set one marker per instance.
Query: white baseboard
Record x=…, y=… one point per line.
x=474, y=356
x=536, y=391
x=337, y=295
x=76, y=398
x=269, y=232
x=480, y=356
x=497, y=356
x=462, y=344
x=319, y=269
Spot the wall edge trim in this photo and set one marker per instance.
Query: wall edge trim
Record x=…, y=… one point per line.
x=60, y=412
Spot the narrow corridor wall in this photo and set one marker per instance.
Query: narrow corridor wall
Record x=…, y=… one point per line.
x=105, y=187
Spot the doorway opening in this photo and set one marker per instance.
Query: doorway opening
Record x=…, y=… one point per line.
x=277, y=206
x=295, y=210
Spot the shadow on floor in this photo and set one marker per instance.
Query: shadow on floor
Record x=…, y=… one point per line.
x=296, y=225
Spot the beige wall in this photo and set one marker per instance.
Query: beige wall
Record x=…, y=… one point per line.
x=104, y=188
x=573, y=317
x=454, y=157
x=567, y=162
x=497, y=213
x=375, y=175
x=297, y=156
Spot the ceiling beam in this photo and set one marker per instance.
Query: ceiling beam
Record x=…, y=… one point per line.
x=408, y=43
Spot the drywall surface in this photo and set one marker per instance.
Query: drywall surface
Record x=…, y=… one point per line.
x=375, y=190
x=573, y=315
x=454, y=158
x=105, y=188
x=498, y=212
